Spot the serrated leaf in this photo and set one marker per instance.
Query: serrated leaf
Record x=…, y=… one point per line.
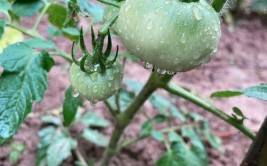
x=224, y=94
x=157, y=135
x=57, y=15
x=19, y=89
x=91, y=119
x=146, y=128
x=39, y=43
x=258, y=92
x=2, y=27
x=54, y=146
x=95, y=137
x=70, y=107
x=59, y=150
x=92, y=9
x=26, y=8
x=178, y=156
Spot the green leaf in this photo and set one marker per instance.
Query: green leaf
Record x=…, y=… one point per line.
x=71, y=33
x=174, y=137
x=223, y=94
x=95, y=137
x=59, y=150
x=258, y=92
x=70, y=106
x=20, y=88
x=2, y=27
x=160, y=118
x=57, y=15
x=197, y=146
x=126, y=98
x=91, y=119
x=15, y=57
x=146, y=128
x=26, y=8
x=165, y=106
x=51, y=119
x=238, y=115
x=133, y=85
x=259, y=6
x=54, y=146
x=4, y=6
x=92, y=9
x=157, y=135
x=40, y=43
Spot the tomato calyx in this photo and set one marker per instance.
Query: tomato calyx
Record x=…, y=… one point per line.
x=99, y=60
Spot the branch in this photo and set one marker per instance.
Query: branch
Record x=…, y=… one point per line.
x=256, y=154
x=176, y=90
x=126, y=117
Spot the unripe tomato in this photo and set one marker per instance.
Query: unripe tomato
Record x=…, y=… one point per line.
x=96, y=86
x=172, y=35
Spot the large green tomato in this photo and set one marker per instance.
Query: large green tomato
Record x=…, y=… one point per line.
x=171, y=35
x=96, y=86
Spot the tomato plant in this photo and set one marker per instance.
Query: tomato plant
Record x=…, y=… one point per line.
x=168, y=36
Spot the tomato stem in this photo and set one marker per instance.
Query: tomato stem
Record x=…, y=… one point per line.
x=178, y=91
x=124, y=119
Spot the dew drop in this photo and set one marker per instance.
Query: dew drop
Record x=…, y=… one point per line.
x=183, y=38
x=197, y=13
x=147, y=65
x=109, y=85
x=167, y=2
x=157, y=10
x=149, y=25
x=170, y=72
x=75, y=93
x=161, y=71
x=94, y=76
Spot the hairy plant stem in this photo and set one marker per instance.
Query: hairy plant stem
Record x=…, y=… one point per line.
x=40, y=17
x=80, y=157
x=178, y=91
x=123, y=119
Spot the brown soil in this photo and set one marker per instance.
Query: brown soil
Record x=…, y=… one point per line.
x=241, y=61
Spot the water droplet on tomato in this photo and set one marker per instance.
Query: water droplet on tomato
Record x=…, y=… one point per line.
x=167, y=2
x=197, y=13
x=127, y=8
x=161, y=71
x=75, y=93
x=149, y=25
x=109, y=85
x=183, y=38
x=170, y=73
x=147, y=65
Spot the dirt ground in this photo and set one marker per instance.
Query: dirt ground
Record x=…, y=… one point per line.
x=241, y=61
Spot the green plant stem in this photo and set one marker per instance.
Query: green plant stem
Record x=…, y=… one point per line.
x=80, y=157
x=178, y=91
x=111, y=3
x=126, y=117
x=218, y=5
x=111, y=109
x=40, y=17
x=25, y=31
